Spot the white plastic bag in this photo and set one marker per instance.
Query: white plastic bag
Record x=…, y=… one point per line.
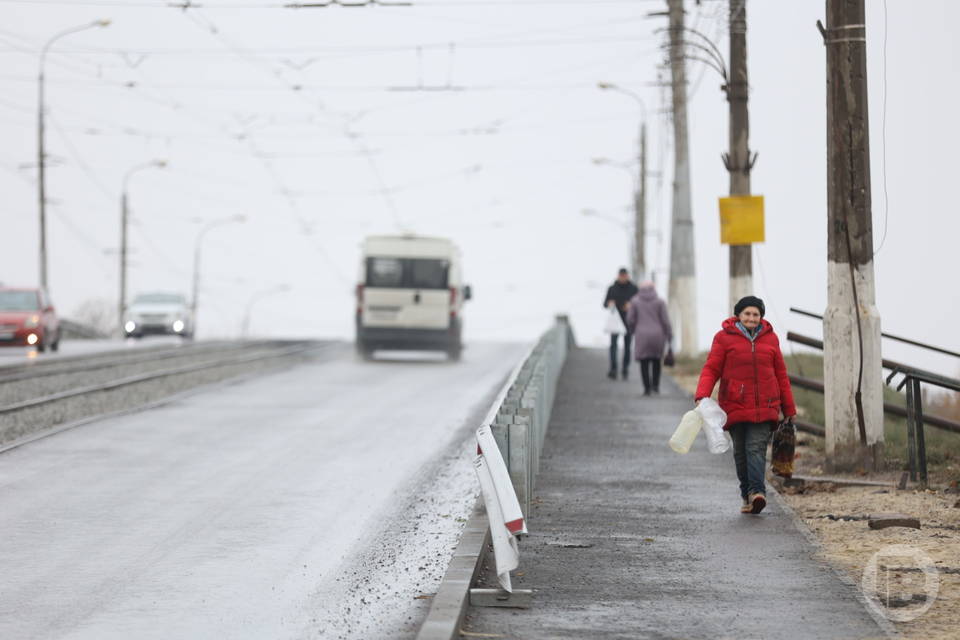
x=718, y=440
x=614, y=322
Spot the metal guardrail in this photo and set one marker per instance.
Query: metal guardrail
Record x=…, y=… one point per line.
x=518, y=420
x=75, y=330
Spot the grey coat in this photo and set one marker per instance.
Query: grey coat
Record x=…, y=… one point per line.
x=648, y=320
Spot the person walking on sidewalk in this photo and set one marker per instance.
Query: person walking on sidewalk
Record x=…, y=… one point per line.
x=618, y=296
x=754, y=389
x=649, y=323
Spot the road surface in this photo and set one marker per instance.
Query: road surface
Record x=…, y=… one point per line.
x=315, y=503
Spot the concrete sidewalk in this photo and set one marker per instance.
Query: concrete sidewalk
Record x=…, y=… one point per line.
x=631, y=540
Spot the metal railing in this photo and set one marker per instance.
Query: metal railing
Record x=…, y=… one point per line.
x=519, y=423
x=912, y=379
x=916, y=444
x=890, y=336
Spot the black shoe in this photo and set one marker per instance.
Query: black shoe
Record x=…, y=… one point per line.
x=656, y=390
x=626, y=374
x=646, y=392
x=612, y=375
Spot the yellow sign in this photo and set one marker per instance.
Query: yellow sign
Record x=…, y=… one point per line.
x=741, y=219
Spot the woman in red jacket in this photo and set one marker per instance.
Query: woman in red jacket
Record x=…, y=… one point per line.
x=745, y=357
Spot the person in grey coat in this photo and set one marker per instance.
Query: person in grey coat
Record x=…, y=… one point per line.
x=647, y=319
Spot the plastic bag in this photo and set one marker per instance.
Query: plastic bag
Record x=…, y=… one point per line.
x=614, y=322
x=718, y=440
x=783, y=449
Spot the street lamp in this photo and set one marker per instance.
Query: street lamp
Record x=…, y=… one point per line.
x=640, y=192
x=124, y=223
x=239, y=218
x=41, y=142
x=260, y=295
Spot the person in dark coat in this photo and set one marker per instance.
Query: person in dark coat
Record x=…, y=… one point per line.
x=754, y=389
x=618, y=296
x=648, y=321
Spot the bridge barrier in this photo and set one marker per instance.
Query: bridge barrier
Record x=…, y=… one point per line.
x=71, y=330
x=518, y=420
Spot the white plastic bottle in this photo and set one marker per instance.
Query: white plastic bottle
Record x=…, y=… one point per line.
x=682, y=439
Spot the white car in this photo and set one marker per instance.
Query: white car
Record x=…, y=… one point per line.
x=158, y=314
x=410, y=295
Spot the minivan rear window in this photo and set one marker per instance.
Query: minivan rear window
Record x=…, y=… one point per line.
x=407, y=273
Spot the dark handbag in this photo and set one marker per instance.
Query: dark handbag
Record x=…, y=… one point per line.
x=783, y=449
x=669, y=360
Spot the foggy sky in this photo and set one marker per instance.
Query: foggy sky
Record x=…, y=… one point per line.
x=305, y=122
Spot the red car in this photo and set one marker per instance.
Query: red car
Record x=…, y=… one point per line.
x=28, y=318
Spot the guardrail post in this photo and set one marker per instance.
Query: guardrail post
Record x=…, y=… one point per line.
x=520, y=463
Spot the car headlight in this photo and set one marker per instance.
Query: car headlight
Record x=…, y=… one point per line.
x=178, y=326
x=130, y=326
x=31, y=322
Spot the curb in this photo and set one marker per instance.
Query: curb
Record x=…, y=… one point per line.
x=450, y=604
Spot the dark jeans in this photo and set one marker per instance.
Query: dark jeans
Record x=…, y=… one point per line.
x=750, y=454
x=650, y=372
x=614, y=337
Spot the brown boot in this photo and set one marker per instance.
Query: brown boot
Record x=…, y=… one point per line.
x=757, y=502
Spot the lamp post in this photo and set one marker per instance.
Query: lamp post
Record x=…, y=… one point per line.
x=41, y=142
x=260, y=295
x=124, y=224
x=636, y=245
x=196, y=258
x=640, y=191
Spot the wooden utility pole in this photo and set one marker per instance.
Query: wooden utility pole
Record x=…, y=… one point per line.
x=853, y=379
x=739, y=161
x=683, y=284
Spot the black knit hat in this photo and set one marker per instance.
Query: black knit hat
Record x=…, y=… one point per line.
x=749, y=301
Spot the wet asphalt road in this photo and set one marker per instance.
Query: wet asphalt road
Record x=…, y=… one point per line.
x=313, y=503
x=631, y=540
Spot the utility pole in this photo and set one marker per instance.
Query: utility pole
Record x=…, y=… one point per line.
x=853, y=379
x=738, y=161
x=640, y=211
x=124, y=223
x=683, y=284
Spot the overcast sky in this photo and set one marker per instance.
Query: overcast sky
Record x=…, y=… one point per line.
x=307, y=121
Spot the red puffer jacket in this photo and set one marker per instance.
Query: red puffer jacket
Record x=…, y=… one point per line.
x=753, y=376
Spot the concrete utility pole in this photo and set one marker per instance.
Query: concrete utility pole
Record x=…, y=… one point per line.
x=853, y=378
x=683, y=283
x=738, y=161
x=640, y=211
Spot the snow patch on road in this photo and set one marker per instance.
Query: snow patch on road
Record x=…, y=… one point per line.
x=386, y=590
